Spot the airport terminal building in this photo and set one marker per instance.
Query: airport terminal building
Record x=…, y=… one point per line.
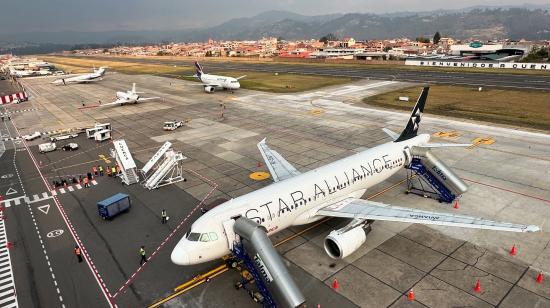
x=489, y=52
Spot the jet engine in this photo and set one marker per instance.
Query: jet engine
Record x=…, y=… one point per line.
x=209, y=89
x=343, y=242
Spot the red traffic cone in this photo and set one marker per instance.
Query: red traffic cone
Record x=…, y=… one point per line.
x=410, y=295
x=335, y=285
x=9, y=245
x=456, y=205
x=259, y=164
x=1, y=198
x=477, y=288
x=318, y=305
x=513, y=250
x=539, y=277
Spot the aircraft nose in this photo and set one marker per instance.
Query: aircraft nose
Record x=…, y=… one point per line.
x=179, y=256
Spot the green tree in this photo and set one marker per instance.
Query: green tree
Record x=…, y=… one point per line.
x=328, y=37
x=422, y=39
x=437, y=37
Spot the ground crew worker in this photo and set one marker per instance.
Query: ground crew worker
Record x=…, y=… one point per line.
x=142, y=254
x=163, y=216
x=78, y=253
x=94, y=169
x=113, y=170
x=100, y=170
x=86, y=184
x=108, y=170
x=118, y=170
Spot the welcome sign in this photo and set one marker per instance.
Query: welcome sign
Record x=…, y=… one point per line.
x=502, y=65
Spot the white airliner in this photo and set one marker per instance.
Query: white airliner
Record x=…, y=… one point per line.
x=123, y=98
x=97, y=75
x=333, y=190
x=212, y=83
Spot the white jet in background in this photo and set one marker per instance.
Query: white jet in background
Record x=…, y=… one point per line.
x=123, y=98
x=212, y=83
x=333, y=190
x=96, y=75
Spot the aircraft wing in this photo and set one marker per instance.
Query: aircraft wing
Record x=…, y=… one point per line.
x=117, y=102
x=279, y=168
x=142, y=99
x=241, y=77
x=365, y=209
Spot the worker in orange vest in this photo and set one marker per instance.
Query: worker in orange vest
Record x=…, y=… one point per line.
x=86, y=182
x=78, y=253
x=94, y=169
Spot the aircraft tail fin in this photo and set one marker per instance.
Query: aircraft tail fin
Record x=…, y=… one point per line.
x=134, y=87
x=411, y=129
x=199, y=69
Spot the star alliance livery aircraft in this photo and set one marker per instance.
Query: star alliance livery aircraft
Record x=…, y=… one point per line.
x=333, y=190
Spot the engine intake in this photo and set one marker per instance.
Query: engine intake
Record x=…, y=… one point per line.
x=341, y=243
x=209, y=89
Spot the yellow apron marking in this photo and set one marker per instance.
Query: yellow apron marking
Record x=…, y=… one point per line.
x=104, y=158
x=449, y=135
x=260, y=175
x=479, y=141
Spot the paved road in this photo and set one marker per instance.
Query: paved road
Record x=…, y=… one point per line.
x=519, y=81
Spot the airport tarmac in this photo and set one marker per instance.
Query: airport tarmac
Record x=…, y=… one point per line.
x=509, y=180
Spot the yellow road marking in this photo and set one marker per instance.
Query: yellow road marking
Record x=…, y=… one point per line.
x=104, y=158
x=201, y=278
x=316, y=112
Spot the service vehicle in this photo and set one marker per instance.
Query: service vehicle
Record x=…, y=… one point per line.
x=172, y=125
x=114, y=205
x=46, y=147
x=70, y=147
x=64, y=137
x=32, y=136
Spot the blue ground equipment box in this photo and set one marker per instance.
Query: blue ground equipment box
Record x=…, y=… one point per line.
x=113, y=205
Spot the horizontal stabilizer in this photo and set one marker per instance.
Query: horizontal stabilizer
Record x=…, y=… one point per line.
x=393, y=135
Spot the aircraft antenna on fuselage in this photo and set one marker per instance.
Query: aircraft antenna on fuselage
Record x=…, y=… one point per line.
x=411, y=129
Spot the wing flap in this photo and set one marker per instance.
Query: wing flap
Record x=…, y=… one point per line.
x=365, y=209
x=279, y=168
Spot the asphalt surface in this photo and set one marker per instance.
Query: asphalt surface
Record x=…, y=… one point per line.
x=516, y=81
x=508, y=182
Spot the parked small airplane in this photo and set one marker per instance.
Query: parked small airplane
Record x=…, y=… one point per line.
x=97, y=75
x=123, y=98
x=212, y=83
x=333, y=190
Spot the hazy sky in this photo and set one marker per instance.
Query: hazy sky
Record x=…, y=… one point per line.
x=103, y=15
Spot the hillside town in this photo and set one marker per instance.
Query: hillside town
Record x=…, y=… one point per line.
x=329, y=47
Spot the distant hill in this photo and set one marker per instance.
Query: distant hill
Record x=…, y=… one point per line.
x=530, y=22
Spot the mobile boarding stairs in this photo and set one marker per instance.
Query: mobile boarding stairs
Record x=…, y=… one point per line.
x=429, y=177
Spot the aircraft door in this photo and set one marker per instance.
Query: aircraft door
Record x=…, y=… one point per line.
x=229, y=232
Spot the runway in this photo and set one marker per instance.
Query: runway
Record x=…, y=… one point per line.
x=512, y=81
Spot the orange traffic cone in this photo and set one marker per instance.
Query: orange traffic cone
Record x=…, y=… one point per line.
x=477, y=288
x=335, y=285
x=539, y=277
x=410, y=295
x=513, y=250
x=456, y=205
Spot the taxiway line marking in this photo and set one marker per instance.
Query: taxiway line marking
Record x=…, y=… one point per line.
x=68, y=223
x=509, y=190
x=223, y=268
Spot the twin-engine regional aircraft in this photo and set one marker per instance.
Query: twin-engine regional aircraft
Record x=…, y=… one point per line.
x=212, y=83
x=97, y=75
x=333, y=190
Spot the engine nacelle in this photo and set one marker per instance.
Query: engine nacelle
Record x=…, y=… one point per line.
x=339, y=245
x=209, y=89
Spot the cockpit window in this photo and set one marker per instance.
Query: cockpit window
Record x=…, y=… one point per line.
x=213, y=236
x=193, y=237
x=204, y=237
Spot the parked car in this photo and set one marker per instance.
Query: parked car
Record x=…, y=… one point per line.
x=46, y=147
x=70, y=147
x=64, y=137
x=32, y=136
